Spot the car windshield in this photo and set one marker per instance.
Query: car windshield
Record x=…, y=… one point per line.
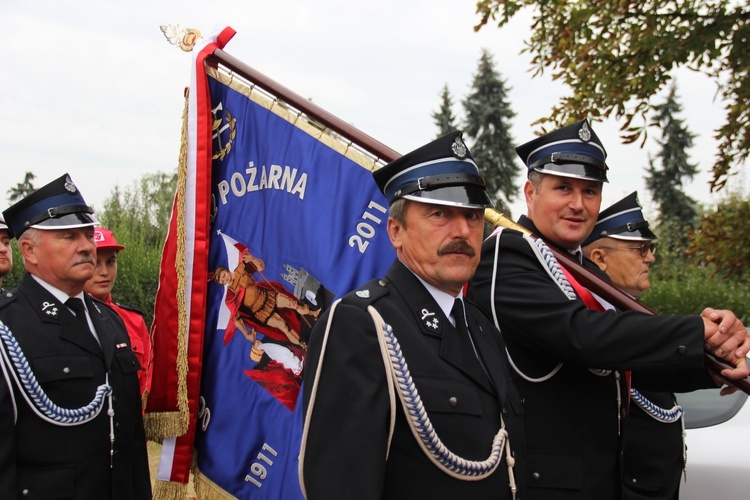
x=706, y=407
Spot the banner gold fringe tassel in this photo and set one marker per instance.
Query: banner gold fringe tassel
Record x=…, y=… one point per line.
x=161, y=424
x=167, y=490
x=180, y=263
x=207, y=489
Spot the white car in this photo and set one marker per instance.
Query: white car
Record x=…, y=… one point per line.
x=718, y=445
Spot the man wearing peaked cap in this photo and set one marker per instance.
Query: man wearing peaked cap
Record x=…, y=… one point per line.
x=58, y=205
x=653, y=447
x=357, y=441
x=441, y=172
x=621, y=245
x=572, y=151
x=6, y=255
x=571, y=356
x=78, y=432
x=623, y=220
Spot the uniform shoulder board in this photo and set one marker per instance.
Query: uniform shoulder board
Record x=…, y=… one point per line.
x=367, y=293
x=97, y=302
x=514, y=232
x=7, y=297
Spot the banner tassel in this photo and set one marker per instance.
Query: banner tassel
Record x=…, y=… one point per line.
x=167, y=490
x=207, y=489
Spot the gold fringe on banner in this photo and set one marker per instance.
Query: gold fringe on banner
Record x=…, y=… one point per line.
x=159, y=425
x=144, y=397
x=207, y=489
x=167, y=490
x=180, y=264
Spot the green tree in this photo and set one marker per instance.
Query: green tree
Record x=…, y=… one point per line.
x=444, y=119
x=14, y=277
x=614, y=56
x=677, y=211
x=139, y=217
x=15, y=193
x=715, y=269
x=721, y=241
x=487, y=123
x=23, y=188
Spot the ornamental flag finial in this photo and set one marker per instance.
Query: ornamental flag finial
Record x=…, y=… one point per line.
x=184, y=38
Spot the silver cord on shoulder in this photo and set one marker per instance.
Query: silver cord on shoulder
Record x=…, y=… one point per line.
x=551, y=265
x=422, y=428
x=19, y=369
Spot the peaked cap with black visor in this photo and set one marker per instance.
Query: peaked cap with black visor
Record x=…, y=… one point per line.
x=440, y=172
x=623, y=220
x=58, y=205
x=572, y=151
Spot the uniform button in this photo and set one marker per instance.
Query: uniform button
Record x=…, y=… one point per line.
x=536, y=476
x=681, y=350
x=635, y=480
x=66, y=370
x=453, y=401
x=505, y=411
x=381, y=282
x=135, y=347
x=25, y=492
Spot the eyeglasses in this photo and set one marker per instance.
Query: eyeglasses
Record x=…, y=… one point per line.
x=643, y=248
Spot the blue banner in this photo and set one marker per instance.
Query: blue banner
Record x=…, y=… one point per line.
x=295, y=224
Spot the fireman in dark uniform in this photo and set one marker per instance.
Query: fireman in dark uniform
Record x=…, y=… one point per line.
x=70, y=408
x=569, y=356
x=622, y=245
x=358, y=441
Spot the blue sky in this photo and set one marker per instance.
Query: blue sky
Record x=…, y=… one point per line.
x=94, y=89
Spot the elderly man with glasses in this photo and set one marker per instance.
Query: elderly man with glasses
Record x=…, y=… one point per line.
x=654, y=453
x=622, y=245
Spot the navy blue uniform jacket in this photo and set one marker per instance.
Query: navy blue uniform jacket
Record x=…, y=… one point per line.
x=42, y=460
x=572, y=419
x=345, y=454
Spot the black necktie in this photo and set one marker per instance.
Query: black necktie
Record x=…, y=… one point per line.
x=77, y=306
x=459, y=314
x=460, y=317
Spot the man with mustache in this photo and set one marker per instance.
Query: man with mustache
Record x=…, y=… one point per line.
x=6, y=255
x=450, y=427
x=569, y=356
x=70, y=406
